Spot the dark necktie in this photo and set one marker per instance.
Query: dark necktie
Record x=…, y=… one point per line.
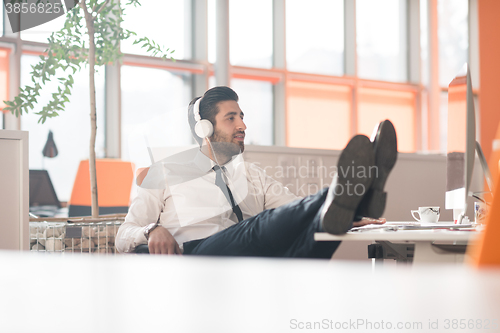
x=227, y=192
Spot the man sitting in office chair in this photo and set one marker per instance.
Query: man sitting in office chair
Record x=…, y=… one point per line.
x=214, y=203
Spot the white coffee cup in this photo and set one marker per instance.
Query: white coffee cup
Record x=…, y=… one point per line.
x=426, y=214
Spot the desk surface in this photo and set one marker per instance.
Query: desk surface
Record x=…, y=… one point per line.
x=401, y=235
x=131, y=293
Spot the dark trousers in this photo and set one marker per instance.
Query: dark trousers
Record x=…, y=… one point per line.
x=286, y=231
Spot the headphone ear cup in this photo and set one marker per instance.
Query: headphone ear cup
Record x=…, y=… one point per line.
x=204, y=128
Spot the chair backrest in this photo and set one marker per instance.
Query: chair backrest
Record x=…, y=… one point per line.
x=141, y=174
x=114, y=184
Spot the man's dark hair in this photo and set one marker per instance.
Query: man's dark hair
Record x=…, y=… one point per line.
x=208, y=104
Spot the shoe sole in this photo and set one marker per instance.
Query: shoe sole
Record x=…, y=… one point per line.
x=385, y=147
x=345, y=195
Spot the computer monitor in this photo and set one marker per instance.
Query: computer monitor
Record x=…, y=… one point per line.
x=42, y=192
x=462, y=144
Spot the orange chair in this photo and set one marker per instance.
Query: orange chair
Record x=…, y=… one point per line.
x=141, y=174
x=486, y=252
x=114, y=184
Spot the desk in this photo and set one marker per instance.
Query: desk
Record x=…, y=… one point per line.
x=425, y=252
x=131, y=293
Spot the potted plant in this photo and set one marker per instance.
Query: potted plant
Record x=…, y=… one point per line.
x=91, y=36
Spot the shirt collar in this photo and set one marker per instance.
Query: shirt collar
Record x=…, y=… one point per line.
x=205, y=164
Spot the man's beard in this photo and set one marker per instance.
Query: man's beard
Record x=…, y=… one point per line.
x=225, y=145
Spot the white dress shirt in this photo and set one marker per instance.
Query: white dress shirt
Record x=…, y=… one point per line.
x=184, y=198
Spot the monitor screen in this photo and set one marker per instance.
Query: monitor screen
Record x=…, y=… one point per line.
x=42, y=192
x=461, y=139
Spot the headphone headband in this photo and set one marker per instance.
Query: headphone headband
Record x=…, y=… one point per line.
x=196, y=109
x=203, y=127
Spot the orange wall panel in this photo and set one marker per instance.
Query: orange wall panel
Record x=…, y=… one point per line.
x=376, y=105
x=318, y=115
x=457, y=115
x=489, y=62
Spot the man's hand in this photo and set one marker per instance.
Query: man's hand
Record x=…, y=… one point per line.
x=162, y=242
x=368, y=220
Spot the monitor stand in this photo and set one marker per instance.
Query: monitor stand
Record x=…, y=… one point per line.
x=487, y=176
x=486, y=169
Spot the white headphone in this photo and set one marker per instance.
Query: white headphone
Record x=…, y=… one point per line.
x=203, y=127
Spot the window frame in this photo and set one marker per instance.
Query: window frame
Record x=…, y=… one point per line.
x=427, y=137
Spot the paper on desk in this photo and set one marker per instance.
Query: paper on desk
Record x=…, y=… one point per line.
x=375, y=227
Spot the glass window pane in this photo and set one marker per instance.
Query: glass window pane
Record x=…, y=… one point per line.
x=71, y=128
x=1, y=20
x=211, y=82
x=251, y=33
x=424, y=41
x=315, y=36
x=376, y=105
x=443, y=121
x=154, y=112
x=256, y=102
x=4, y=80
x=165, y=22
x=211, y=32
x=381, y=40
x=318, y=115
x=42, y=32
x=453, y=35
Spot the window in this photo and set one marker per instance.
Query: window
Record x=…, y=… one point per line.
x=376, y=105
x=165, y=22
x=71, y=128
x=315, y=36
x=154, y=112
x=4, y=80
x=443, y=120
x=256, y=102
x=1, y=21
x=318, y=115
x=424, y=41
x=321, y=106
x=381, y=40
x=453, y=35
x=212, y=31
x=251, y=33
x=42, y=32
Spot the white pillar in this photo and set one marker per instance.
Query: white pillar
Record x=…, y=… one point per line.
x=279, y=62
x=222, y=64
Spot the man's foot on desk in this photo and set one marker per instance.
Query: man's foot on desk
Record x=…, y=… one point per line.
x=351, y=183
x=385, y=146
